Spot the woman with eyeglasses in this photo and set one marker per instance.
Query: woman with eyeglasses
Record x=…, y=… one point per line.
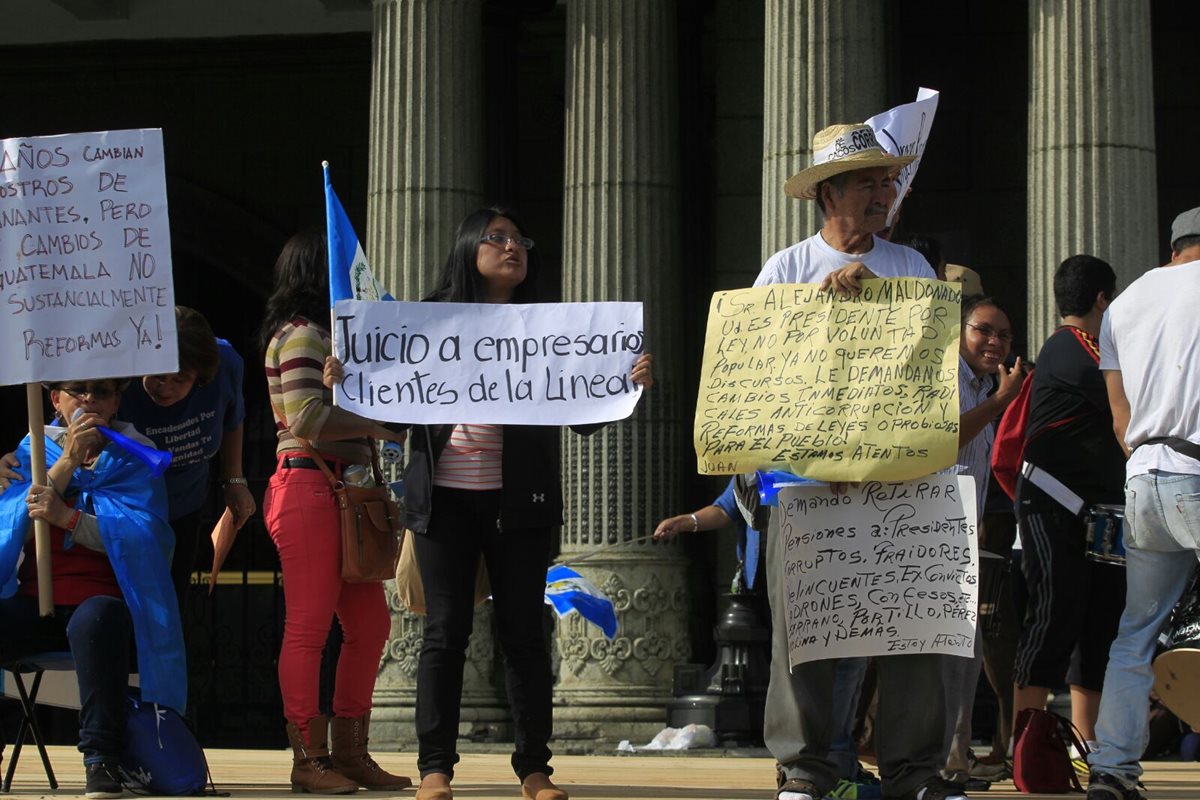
x=487, y=491
x=110, y=560
x=985, y=387
x=195, y=413
x=329, y=755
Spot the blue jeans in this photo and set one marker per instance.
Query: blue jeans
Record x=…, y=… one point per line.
x=99, y=634
x=1162, y=541
x=847, y=687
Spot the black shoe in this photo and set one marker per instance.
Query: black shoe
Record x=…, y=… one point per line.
x=1103, y=786
x=103, y=780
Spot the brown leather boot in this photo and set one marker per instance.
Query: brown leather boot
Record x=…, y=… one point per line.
x=537, y=786
x=312, y=768
x=348, y=740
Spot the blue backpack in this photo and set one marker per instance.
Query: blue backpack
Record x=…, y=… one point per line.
x=161, y=755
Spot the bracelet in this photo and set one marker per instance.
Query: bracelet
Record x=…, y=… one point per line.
x=71, y=523
x=237, y=481
x=695, y=523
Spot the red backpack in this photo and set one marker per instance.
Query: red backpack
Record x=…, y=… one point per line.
x=1041, y=755
x=1010, y=440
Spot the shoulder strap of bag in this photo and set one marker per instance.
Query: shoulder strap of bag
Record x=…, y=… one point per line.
x=334, y=481
x=1072, y=736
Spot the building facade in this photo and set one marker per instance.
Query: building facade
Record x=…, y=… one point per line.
x=646, y=143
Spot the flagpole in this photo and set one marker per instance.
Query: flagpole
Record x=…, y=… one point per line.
x=604, y=549
x=37, y=474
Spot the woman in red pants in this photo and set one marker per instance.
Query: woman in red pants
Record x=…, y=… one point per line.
x=302, y=518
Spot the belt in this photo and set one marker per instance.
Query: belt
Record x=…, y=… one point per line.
x=305, y=462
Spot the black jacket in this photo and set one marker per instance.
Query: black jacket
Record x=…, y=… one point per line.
x=531, y=496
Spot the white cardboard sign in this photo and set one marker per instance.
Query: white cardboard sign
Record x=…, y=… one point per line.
x=903, y=131
x=885, y=568
x=85, y=257
x=536, y=364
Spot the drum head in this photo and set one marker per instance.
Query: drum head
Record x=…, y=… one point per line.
x=1177, y=682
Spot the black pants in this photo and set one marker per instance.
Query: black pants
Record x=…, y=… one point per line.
x=1074, y=607
x=99, y=634
x=183, y=562
x=463, y=526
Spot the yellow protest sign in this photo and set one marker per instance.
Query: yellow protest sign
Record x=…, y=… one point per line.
x=835, y=389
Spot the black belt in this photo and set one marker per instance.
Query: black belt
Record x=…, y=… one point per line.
x=304, y=462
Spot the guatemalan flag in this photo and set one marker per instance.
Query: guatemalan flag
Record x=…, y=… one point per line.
x=350, y=277
x=567, y=591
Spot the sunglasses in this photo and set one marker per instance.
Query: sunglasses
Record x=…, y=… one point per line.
x=96, y=392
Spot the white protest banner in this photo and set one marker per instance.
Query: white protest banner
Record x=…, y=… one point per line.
x=885, y=568
x=439, y=363
x=903, y=131
x=85, y=257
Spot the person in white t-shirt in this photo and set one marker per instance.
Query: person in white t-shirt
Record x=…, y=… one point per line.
x=1150, y=355
x=852, y=180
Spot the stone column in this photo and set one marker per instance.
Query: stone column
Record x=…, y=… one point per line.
x=426, y=174
x=1092, y=184
x=621, y=242
x=824, y=64
x=426, y=168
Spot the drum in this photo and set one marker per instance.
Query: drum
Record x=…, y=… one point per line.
x=1177, y=669
x=1105, y=541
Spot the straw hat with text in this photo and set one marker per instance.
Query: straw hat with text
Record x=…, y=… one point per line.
x=837, y=149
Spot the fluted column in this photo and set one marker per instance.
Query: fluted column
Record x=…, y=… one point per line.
x=824, y=64
x=1092, y=185
x=621, y=242
x=426, y=168
x=426, y=174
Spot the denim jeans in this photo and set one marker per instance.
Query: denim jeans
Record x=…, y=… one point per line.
x=99, y=634
x=847, y=686
x=1162, y=540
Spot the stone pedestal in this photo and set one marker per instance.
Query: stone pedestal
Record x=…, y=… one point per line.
x=619, y=689
x=621, y=242
x=1092, y=185
x=824, y=64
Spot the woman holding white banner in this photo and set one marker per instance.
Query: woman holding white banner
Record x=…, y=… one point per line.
x=487, y=491
x=301, y=512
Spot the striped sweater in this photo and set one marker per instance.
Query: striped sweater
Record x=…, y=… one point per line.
x=301, y=404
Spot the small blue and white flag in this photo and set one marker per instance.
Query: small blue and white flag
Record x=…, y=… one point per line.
x=350, y=277
x=567, y=591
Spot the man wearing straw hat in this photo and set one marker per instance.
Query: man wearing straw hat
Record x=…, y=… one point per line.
x=852, y=179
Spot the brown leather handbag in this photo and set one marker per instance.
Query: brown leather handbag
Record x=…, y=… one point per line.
x=370, y=522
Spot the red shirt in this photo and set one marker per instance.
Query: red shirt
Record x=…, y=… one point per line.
x=79, y=572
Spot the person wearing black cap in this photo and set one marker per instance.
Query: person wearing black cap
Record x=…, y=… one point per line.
x=1150, y=354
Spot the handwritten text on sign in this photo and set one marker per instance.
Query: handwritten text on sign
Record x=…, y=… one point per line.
x=85, y=257
x=837, y=389
x=886, y=568
x=437, y=363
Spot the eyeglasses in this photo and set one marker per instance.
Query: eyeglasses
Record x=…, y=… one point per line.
x=501, y=240
x=96, y=392
x=988, y=332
